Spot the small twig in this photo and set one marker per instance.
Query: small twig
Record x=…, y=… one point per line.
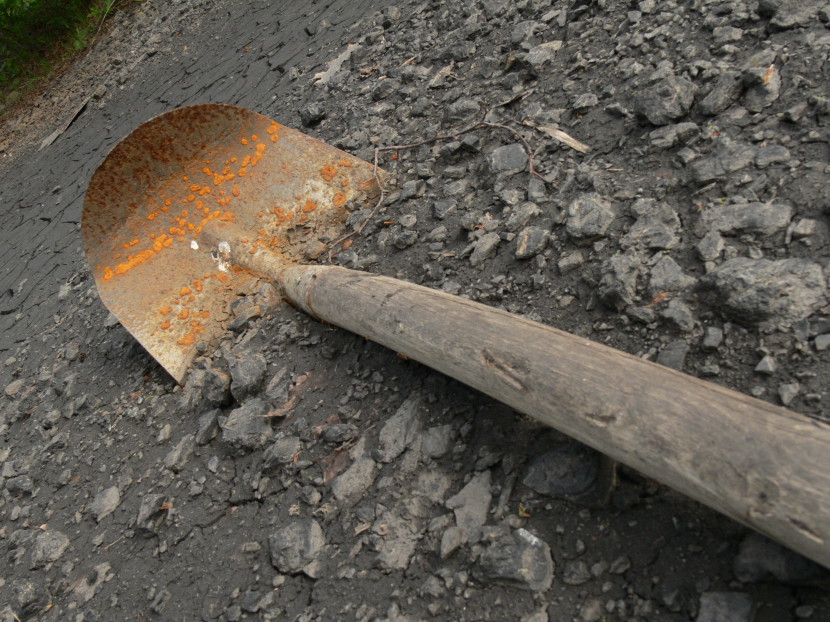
x=531, y=154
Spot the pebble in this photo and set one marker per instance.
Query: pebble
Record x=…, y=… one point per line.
x=248, y=426
x=296, y=547
x=665, y=101
x=567, y=470
x=49, y=547
x=471, y=504
x=766, y=365
x=349, y=486
x=761, y=218
x=518, y=559
x=508, y=159
x=724, y=607
x=105, y=503
x=781, y=291
x=399, y=430
x=674, y=355
x=484, y=248
x=760, y=558
x=588, y=217
x=531, y=241
x=247, y=371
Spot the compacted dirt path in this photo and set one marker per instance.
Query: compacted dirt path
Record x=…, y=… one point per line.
x=676, y=209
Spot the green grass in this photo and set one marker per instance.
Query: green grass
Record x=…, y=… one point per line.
x=39, y=37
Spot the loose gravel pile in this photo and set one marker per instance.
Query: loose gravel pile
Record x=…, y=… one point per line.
x=649, y=175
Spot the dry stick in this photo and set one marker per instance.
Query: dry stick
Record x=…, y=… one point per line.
x=531, y=154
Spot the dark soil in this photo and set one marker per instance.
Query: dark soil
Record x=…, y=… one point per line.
x=693, y=233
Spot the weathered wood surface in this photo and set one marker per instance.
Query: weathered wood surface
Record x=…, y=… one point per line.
x=762, y=465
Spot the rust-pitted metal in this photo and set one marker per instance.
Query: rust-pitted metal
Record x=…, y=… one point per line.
x=200, y=169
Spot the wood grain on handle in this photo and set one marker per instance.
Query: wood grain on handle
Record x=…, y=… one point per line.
x=762, y=465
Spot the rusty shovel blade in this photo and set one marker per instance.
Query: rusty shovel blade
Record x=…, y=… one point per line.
x=149, y=202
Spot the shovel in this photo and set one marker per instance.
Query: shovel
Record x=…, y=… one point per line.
x=188, y=209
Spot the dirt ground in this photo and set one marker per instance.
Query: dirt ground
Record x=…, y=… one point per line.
x=676, y=209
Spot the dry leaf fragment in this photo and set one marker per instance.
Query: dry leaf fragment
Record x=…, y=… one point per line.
x=562, y=137
x=768, y=75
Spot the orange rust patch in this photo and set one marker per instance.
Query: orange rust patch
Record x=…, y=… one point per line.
x=339, y=199
x=309, y=206
x=165, y=310
x=183, y=314
x=197, y=285
x=132, y=262
x=344, y=162
x=165, y=324
x=185, y=291
x=108, y=273
x=328, y=172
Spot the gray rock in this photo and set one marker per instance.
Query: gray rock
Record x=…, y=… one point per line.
x=105, y=503
x=588, y=217
x=244, y=317
x=570, y=261
x=216, y=386
x=760, y=559
x=247, y=427
x=441, y=209
x=508, y=159
x=521, y=215
x=576, y=572
x=793, y=13
x=519, y=559
x=760, y=290
x=247, y=369
x=30, y=599
x=766, y=365
x=208, y=427
x=48, y=548
x=531, y=241
x=712, y=338
x=452, y=538
x=177, y=458
x=340, y=432
x=151, y=514
x=461, y=110
x=397, y=545
x=671, y=135
x=724, y=607
x=471, y=503
x=667, y=276
x=787, y=392
x=771, y=154
x=666, y=100
x=399, y=430
x=412, y=189
x=680, y=314
x=280, y=453
x=727, y=157
x=762, y=79
x=567, y=470
x=724, y=93
x=674, y=355
x=349, y=486
x=436, y=441
x=485, y=247
x=592, y=610
x=296, y=547
x=543, y=53
x=619, y=279
x=14, y=387
x=711, y=246
x=312, y=113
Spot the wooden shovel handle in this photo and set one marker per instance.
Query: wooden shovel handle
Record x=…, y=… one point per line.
x=762, y=465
